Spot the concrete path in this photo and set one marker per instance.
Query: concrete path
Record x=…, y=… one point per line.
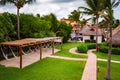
x=68, y=58
x=100, y=59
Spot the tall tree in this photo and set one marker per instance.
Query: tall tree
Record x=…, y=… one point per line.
x=94, y=7
x=110, y=4
x=74, y=15
x=18, y=4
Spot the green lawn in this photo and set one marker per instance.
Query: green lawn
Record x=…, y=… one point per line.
x=65, y=50
x=104, y=56
x=46, y=69
x=115, y=71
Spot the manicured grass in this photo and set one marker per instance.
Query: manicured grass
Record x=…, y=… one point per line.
x=65, y=50
x=104, y=56
x=46, y=69
x=115, y=71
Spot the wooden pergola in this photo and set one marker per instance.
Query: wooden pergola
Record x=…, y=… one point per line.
x=31, y=41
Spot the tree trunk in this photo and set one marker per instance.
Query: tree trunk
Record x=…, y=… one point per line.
x=18, y=24
x=96, y=34
x=109, y=55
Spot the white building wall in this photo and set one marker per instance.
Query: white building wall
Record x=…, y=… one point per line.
x=99, y=39
x=86, y=38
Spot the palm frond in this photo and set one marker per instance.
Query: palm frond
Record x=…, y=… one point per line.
x=91, y=4
x=115, y=3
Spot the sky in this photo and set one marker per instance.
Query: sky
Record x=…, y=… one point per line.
x=61, y=8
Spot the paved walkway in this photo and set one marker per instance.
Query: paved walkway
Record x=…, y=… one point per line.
x=28, y=59
x=68, y=58
x=90, y=69
x=100, y=59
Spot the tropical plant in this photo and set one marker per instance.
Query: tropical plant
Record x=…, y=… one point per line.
x=18, y=4
x=64, y=31
x=51, y=18
x=94, y=7
x=74, y=15
x=109, y=4
x=7, y=30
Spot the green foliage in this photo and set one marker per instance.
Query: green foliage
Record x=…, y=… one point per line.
x=36, y=27
x=91, y=45
x=82, y=48
x=6, y=28
x=32, y=27
x=90, y=41
x=64, y=30
x=104, y=49
x=75, y=15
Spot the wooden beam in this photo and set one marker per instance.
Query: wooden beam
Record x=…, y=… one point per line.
x=20, y=53
x=40, y=50
x=61, y=42
x=52, y=46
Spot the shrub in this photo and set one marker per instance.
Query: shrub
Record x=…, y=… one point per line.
x=82, y=48
x=116, y=51
x=91, y=45
x=103, y=49
x=87, y=41
x=90, y=41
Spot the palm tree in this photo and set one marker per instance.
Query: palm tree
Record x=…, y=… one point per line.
x=18, y=4
x=94, y=8
x=74, y=15
x=110, y=4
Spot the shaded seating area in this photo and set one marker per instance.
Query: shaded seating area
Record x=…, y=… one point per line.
x=32, y=44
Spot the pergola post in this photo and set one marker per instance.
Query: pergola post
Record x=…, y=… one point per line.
x=40, y=50
x=61, y=42
x=52, y=46
x=20, y=53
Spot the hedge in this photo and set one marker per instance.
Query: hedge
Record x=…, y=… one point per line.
x=82, y=48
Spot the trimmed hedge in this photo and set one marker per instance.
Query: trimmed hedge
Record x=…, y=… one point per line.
x=91, y=45
x=90, y=41
x=82, y=48
x=115, y=50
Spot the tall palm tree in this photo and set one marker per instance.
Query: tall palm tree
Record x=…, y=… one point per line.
x=110, y=4
x=18, y=4
x=94, y=7
x=74, y=15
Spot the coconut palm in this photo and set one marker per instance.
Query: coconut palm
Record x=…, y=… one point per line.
x=18, y=4
x=110, y=4
x=94, y=7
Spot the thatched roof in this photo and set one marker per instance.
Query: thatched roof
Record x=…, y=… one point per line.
x=116, y=36
x=91, y=30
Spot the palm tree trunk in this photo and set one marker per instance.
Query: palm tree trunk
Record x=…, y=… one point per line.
x=18, y=24
x=96, y=34
x=109, y=55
